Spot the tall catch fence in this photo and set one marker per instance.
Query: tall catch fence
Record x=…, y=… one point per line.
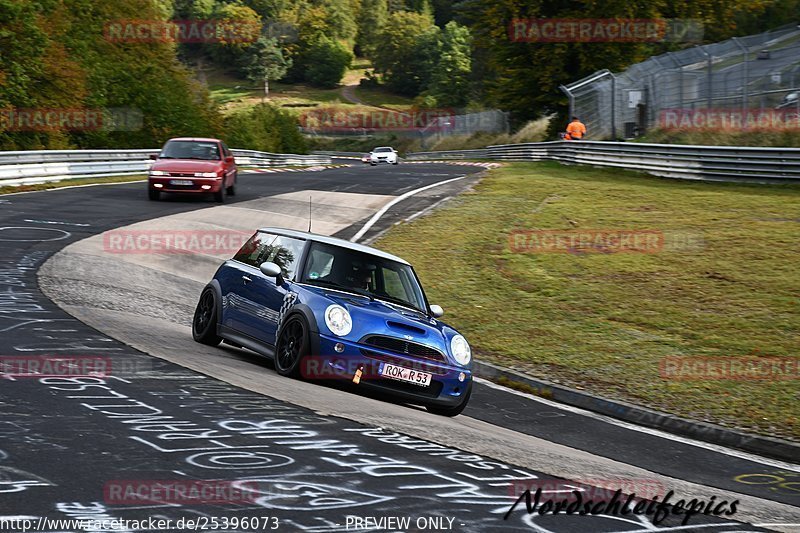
x=426, y=125
x=731, y=84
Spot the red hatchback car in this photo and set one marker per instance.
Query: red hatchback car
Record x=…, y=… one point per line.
x=193, y=165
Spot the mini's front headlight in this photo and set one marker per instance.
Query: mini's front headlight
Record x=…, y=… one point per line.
x=158, y=173
x=338, y=320
x=460, y=349
x=206, y=175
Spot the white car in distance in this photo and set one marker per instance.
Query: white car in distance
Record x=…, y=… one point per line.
x=383, y=154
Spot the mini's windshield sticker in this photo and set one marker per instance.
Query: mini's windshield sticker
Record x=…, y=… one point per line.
x=313, y=275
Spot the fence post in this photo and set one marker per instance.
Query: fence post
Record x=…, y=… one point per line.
x=796, y=87
x=710, y=99
x=613, y=107
x=571, y=98
x=745, y=75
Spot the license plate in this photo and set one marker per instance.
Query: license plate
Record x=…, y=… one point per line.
x=405, y=374
x=181, y=182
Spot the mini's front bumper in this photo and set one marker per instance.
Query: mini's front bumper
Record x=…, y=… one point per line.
x=449, y=383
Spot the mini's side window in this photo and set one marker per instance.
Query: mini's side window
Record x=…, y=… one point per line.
x=319, y=263
x=255, y=249
x=285, y=252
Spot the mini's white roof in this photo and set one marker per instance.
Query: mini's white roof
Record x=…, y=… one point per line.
x=334, y=242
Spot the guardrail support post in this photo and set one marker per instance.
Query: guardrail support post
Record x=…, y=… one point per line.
x=613, y=107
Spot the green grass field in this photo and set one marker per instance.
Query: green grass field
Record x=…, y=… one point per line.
x=724, y=282
x=380, y=97
x=233, y=93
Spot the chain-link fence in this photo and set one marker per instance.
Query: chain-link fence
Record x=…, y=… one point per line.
x=426, y=125
x=490, y=121
x=726, y=84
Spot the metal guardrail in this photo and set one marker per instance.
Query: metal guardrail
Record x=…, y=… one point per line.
x=28, y=167
x=713, y=163
x=251, y=158
x=340, y=155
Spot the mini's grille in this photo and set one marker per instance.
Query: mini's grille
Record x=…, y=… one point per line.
x=402, y=346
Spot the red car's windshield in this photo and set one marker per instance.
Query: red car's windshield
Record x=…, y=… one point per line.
x=208, y=151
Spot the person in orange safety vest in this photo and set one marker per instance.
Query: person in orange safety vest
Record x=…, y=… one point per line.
x=575, y=130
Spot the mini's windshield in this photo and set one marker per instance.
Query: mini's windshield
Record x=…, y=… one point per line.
x=352, y=271
x=207, y=151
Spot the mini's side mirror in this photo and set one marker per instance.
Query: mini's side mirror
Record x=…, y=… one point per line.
x=230, y=159
x=270, y=269
x=436, y=311
x=153, y=156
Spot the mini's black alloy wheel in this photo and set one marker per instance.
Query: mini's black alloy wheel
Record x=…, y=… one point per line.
x=292, y=347
x=204, y=323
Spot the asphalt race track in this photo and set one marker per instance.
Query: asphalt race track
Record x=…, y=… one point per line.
x=316, y=457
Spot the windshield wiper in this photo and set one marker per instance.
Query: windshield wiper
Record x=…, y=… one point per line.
x=346, y=288
x=398, y=301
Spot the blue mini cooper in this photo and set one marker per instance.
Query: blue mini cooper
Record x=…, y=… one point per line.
x=323, y=307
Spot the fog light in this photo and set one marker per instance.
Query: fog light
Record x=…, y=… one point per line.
x=462, y=376
x=205, y=187
x=158, y=185
x=339, y=347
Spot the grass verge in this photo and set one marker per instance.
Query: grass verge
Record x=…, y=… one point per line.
x=8, y=189
x=724, y=284
x=758, y=139
x=382, y=97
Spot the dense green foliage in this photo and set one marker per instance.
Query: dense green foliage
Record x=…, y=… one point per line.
x=265, y=128
x=524, y=77
x=327, y=62
x=53, y=56
x=264, y=61
x=57, y=54
x=449, y=84
x=407, y=51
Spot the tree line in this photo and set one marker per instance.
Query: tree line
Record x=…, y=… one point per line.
x=56, y=54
